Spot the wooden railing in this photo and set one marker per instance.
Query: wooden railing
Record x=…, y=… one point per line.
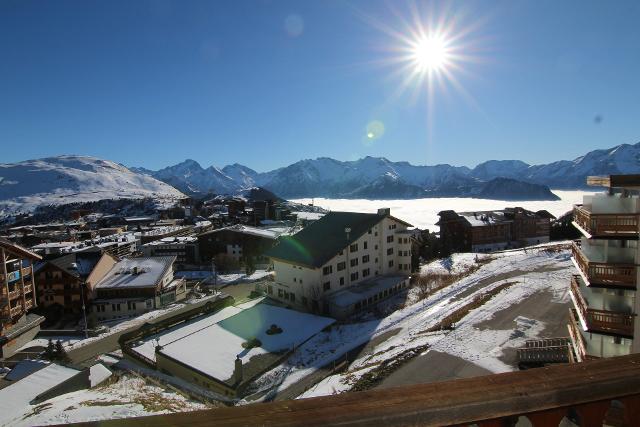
x=606, y=224
x=28, y=304
x=576, y=336
x=26, y=271
x=601, y=320
x=28, y=288
x=14, y=294
x=580, y=391
x=16, y=310
x=614, y=274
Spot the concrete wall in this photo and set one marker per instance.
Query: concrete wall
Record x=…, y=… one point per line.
x=170, y=366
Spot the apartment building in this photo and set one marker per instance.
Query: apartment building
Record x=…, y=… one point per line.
x=185, y=249
x=487, y=231
x=343, y=263
x=17, y=297
x=604, y=318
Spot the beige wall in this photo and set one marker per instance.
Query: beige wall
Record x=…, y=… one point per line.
x=103, y=266
x=308, y=283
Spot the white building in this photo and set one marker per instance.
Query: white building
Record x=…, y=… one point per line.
x=342, y=263
x=135, y=286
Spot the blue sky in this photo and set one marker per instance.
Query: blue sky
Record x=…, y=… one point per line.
x=267, y=83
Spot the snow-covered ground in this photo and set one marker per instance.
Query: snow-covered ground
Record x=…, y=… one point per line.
x=543, y=270
x=423, y=213
x=129, y=396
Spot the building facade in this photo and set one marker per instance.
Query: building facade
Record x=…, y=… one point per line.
x=342, y=263
x=135, y=286
x=604, y=318
x=66, y=280
x=488, y=231
x=17, y=297
x=184, y=248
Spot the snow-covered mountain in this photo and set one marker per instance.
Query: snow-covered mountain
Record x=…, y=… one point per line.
x=69, y=179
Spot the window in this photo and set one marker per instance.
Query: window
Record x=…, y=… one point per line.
x=300, y=281
x=326, y=286
x=389, y=239
x=295, y=280
x=131, y=305
x=341, y=281
x=292, y=297
x=342, y=266
x=391, y=263
x=365, y=272
x=327, y=270
x=270, y=290
x=364, y=245
x=354, y=276
x=376, y=261
x=369, y=232
x=365, y=259
x=390, y=251
x=353, y=248
x=280, y=293
x=354, y=262
x=304, y=300
x=376, y=247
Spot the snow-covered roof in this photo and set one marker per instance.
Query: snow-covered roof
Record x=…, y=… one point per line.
x=98, y=373
x=25, y=368
x=173, y=240
x=19, y=394
x=211, y=344
x=268, y=233
x=140, y=272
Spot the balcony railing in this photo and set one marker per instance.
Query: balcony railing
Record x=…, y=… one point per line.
x=601, y=320
x=14, y=294
x=577, y=339
x=26, y=271
x=16, y=310
x=28, y=304
x=543, y=395
x=606, y=225
x=28, y=288
x=613, y=274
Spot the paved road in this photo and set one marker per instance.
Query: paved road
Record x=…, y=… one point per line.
x=109, y=343
x=435, y=366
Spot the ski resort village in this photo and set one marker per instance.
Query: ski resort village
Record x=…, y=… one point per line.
x=197, y=307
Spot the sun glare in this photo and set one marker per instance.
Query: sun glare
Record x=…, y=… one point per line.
x=430, y=53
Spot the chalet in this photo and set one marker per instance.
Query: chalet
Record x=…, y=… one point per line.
x=137, y=285
x=17, y=297
x=67, y=280
x=343, y=263
x=487, y=231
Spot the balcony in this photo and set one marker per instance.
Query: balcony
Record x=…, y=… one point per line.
x=605, y=273
x=577, y=339
x=609, y=322
x=28, y=304
x=17, y=310
x=28, y=288
x=544, y=396
x=26, y=271
x=607, y=225
x=14, y=294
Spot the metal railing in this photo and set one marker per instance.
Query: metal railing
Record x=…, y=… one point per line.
x=615, y=274
x=606, y=225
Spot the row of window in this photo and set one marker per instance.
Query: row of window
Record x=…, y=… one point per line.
x=289, y=296
x=379, y=296
x=342, y=265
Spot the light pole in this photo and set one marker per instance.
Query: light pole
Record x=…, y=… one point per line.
x=84, y=310
x=348, y=230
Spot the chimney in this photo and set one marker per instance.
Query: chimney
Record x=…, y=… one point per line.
x=384, y=211
x=237, y=371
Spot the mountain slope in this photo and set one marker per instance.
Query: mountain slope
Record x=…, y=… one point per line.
x=68, y=179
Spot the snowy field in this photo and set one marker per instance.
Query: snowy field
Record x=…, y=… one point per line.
x=423, y=213
x=534, y=270
x=127, y=397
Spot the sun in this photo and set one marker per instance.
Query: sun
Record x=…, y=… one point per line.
x=430, y=53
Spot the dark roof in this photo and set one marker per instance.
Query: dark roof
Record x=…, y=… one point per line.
x=78, y=264
x=323, y=239
x=18, y=250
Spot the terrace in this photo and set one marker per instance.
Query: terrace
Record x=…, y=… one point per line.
x=618, y=274
x=582, y=391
